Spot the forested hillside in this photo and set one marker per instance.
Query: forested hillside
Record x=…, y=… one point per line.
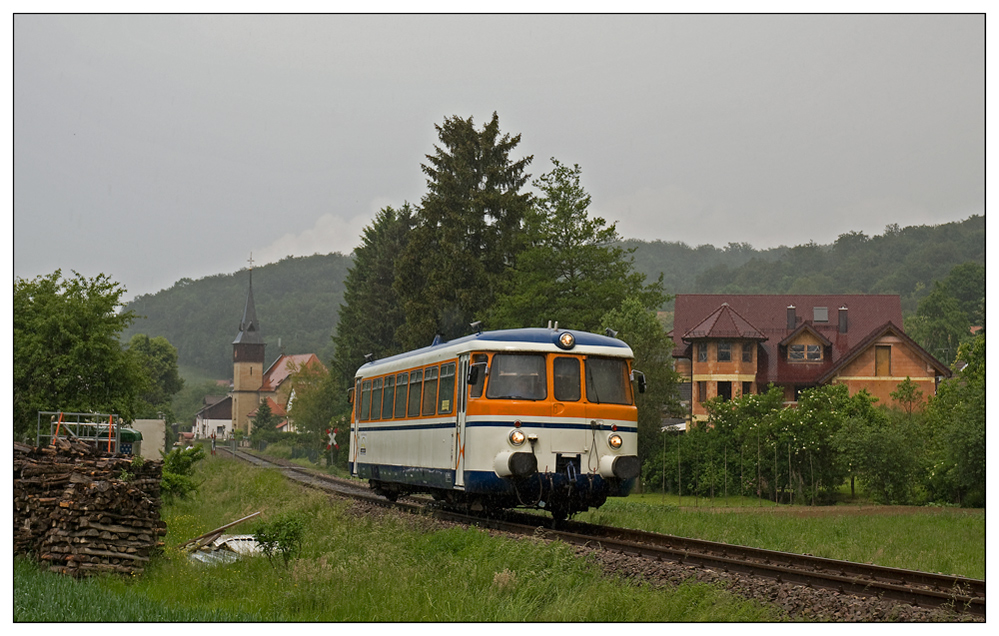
x=903, y=261
x=298, y=299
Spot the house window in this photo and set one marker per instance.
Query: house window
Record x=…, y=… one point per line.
x=725, y=390
x=685, y=392
x=702, y=352
x=804, y=353
x=747, y=388
x=882, y=360
x=702, y=391
x=747, y=352
x=724, y=351
x=820, y=314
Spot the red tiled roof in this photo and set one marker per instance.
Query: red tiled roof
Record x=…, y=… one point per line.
x=724, y=322
x=276, y=409
x=806, y=327
x=768, y=315
x=283, y=367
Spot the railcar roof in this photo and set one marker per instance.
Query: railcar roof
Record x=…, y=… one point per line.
x=527, y=339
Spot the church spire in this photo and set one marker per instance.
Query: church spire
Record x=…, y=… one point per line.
x=249, y=328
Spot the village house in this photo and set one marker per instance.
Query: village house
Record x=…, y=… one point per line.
x=214, y=418
x=733, y=345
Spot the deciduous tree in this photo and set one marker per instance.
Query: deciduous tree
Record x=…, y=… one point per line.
x=957, y=414
x=159, y=359
x=571, y=270
x=67, y=356
x=637, y=325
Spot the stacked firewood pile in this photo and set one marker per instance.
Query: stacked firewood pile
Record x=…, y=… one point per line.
x=84, y=511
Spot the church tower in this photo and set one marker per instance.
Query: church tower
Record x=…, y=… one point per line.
x=247, y=365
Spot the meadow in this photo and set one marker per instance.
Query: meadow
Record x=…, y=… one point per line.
x=359, y=568
x=362, y=568
x=944, y=540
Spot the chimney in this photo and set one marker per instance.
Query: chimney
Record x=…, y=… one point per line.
x=792, y=319
x=843, y=321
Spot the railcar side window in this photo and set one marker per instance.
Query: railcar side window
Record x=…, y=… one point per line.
x=415, y=390
x=402, y=385
x=476, y=389
x=445, y=401
x=376, y=399
x=429, y=390
x=566, y=372
x=357, y=401
x=517, y=376
x=365, y=400
x=387, y=397
x=607, y=381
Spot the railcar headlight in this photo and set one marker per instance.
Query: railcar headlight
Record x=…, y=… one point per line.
x=517, y=437
x=615, y=441
x=566, y=340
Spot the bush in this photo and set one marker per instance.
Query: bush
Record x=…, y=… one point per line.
x=178, y=466
x=282, y=535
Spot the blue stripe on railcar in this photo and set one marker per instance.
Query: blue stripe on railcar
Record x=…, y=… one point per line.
x=413, y=475
x=483, y=482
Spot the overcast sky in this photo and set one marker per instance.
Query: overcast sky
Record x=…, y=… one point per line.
x=152, y=148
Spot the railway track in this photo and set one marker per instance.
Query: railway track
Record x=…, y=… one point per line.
x=921, y=589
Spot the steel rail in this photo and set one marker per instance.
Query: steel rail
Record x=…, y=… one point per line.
x=921, y=589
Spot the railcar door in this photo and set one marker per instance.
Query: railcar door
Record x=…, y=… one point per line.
x=459, y=432
x=569, y=433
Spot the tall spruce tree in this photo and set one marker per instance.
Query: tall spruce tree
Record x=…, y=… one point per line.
x=571, y=271
x=468, y=231
x=371, y=312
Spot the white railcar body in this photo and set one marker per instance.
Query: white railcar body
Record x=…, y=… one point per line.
x=527, y=417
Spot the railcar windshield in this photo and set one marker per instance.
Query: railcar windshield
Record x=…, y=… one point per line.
x=607, y=381
x=517, y=376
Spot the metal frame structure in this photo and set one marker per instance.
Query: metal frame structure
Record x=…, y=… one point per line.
x=84, y=427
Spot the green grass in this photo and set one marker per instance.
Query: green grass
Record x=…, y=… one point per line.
x=41, y=596
x=946, y=540
x=360, y=569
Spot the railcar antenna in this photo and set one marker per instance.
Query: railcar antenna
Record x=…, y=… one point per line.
x=476, y=326
x=610, y=332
